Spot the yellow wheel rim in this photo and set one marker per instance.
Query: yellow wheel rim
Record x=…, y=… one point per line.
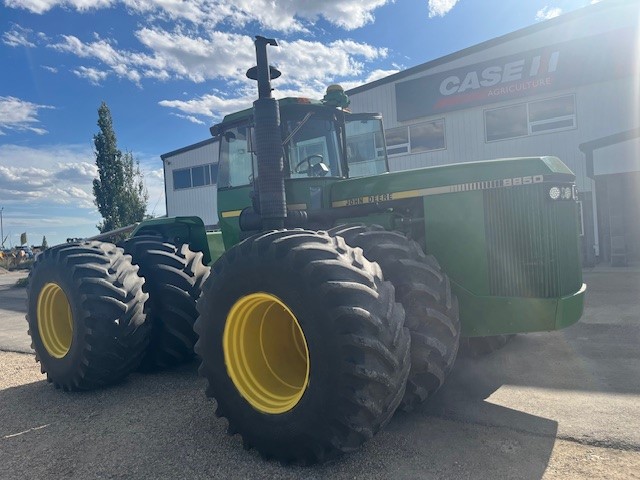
x=266, y=353
x=55, y=322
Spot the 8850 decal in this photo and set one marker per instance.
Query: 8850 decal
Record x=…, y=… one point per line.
x=528, y=180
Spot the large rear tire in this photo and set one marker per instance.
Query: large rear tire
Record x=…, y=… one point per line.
x=174, y=275
x=85, y=310
x=425, y=293
x=302, y=345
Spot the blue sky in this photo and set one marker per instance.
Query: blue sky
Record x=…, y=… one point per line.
x=169, y=69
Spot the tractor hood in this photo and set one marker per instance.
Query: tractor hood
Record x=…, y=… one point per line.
x=449, y=179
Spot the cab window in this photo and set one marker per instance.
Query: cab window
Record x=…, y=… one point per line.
x=311, y=146
x=236, y=158
x=365, y=147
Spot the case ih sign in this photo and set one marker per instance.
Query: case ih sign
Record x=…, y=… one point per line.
x=587, y=60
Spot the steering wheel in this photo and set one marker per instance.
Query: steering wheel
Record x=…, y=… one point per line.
x=307, y=160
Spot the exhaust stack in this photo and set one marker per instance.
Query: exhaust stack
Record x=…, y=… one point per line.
x=266, y=113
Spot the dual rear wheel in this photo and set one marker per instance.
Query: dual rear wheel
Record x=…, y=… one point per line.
x=85, y=310
x=96, y=311
x=303, y=341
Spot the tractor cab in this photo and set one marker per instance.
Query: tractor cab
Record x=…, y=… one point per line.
x=317, y=141
x=322, y=143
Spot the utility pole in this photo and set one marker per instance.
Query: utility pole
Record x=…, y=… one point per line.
x=1, y=228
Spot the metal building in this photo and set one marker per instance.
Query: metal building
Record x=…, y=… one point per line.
x=567, y=87
x=190, y=175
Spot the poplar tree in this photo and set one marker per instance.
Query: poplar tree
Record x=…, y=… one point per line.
x=119, y=190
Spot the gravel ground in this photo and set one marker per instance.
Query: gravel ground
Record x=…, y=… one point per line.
x=162, y=426
x=562, y=405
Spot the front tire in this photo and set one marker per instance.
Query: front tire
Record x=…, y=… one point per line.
x=85, y=310
x=430, y=306
x=302, y=345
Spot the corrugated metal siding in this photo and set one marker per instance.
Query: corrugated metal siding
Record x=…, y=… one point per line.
x=587, y=25
x=599, y=22
x=198, y=201
x=602, y=109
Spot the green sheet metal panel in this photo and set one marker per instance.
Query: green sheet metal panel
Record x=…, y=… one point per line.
x=454, y=233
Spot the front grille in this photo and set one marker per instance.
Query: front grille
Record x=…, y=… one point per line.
x=532, y=243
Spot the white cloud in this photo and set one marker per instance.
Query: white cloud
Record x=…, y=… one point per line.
x=78, y=172
x=306, y=65
x=291, y=15
x=17, y=37
x=197, y=58
x=372, y=77
x=49, y=68
x=278, y=15
x=94, y=75
x=205, y=54
x=19, y=115
x=547, y=13
x=29, y=185
x=42, y=6
x=154, y=181
x=439, y=8
x=210, y=105
x=378, y=74
x=302, y=61
x=35, y=176
x=45, y=157
x=191, y=118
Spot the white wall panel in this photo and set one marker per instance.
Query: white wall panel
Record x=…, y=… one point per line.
x=620, y=158
x=601, y=108
x=198, y=201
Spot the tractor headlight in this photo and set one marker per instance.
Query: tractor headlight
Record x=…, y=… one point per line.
x=554, y=193
x=562, y=192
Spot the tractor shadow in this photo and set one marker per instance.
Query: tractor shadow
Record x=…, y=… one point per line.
x=162, y=426
x=12, y=298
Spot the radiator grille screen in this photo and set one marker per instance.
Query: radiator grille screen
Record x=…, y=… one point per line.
x=532, y=243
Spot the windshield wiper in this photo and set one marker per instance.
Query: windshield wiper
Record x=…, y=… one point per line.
x=298, y=127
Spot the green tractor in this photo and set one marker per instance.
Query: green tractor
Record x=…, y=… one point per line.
x=337, y=291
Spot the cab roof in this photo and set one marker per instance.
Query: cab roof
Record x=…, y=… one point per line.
x=248, y=112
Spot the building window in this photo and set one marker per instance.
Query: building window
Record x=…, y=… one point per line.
x=198, y=176
x=182, y=178
x=552, y=115
x=509, y=122
x=418, y=138
x=397, y=141
x=428, y=136
x=544, y=116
